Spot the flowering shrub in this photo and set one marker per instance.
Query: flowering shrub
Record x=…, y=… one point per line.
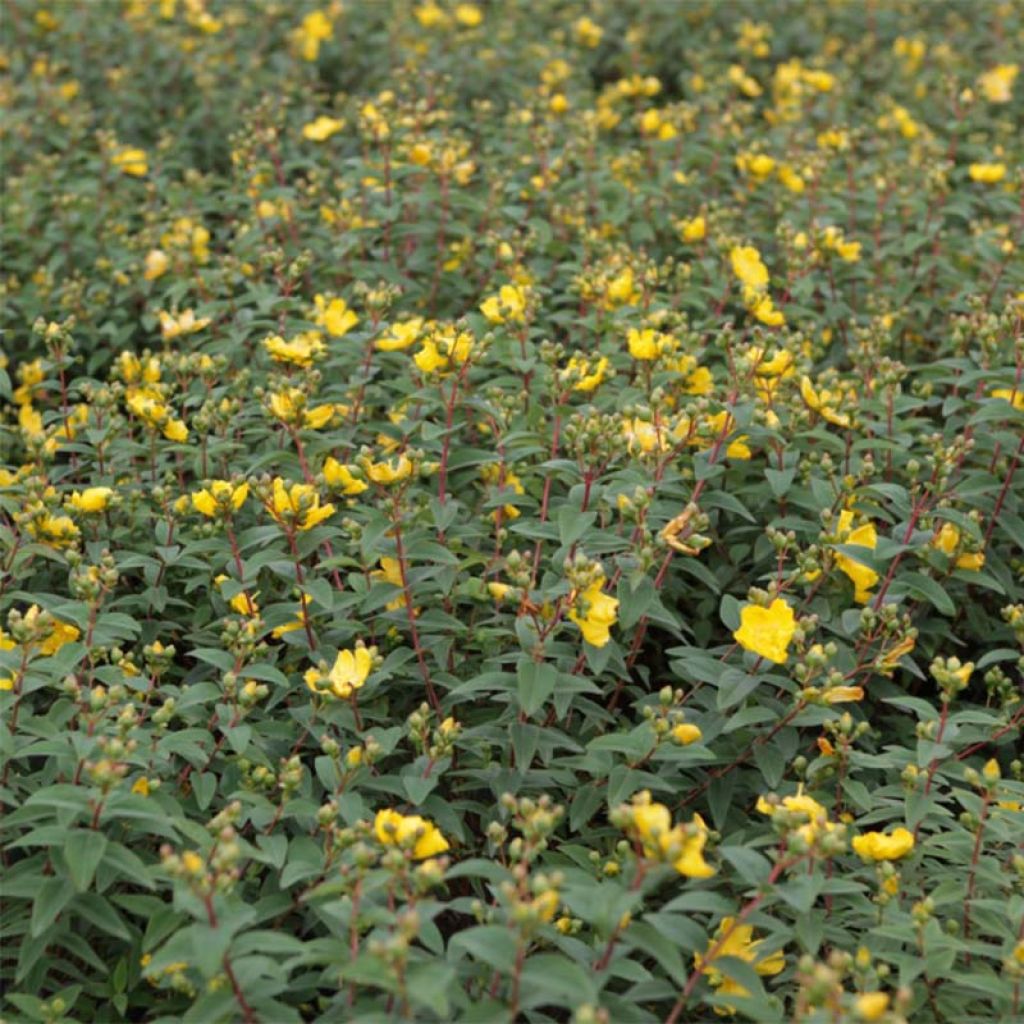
x=512, y=512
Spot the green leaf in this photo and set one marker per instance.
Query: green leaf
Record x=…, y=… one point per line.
x=549, y=979
x=432, y=985
x=572, y=524
x=925, y=588
x=418, y=788
x=734, y=686
x=52, y=896
x=208, y=947
x=491, y=944
x=753, y=867
x=780, y=480
x=83, y=851
x=536, y=682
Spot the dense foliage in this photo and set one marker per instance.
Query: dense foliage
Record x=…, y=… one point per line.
x=512, y=511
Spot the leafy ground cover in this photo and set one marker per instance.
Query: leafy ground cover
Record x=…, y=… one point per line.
x=512, y=512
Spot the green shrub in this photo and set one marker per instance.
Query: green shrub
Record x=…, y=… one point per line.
x=512, y=512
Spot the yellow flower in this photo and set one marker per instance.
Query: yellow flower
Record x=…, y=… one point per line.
x=587, y=32
x=220, y=498
x=503, y=478
x=92, y=499
x=141, y=786
x=971, y=561
x=833, y=138
x=692, y=230
x=963, y=673
x=833, y=240
x=767, y=631
x=652, y=123
x=545, y=906
x=747, y=266
x=444, y=351
x=685, y=733
x=155, y=414
x=865, y=536
x=192, y=862
x=430, y=15
x=322, y=128
x=31, y=421
x=947, y=540
x=997, y=84
x=315, y=29
x=186, y=322
x=301, y=351
x=643, y=344
x=804, y=807
x=340, y=478
x=871, y=1006
x=683, y=846
x=468, y=15
x=843, y=694
x=155, y=264
x=700, y=382
x=791, y=179
x=719, y=424
x=389, y=472
x=735, y=940
x=988, y=174
x=61, y=633
x=761, y=307
x=54, y=531
x=849, y=251
x=30, y=374
x=350, y=670
x=241, y=603
x=132, y=369
x=757, y=165
x=643, y=436
x=891, y=658
x=1012, y=395
x=822, y=402
x=334, y=316
x=874, y=846
x=46, y=21
x=292, y=626
x=298, y=505
x=429, y=358
x=508, y=305
x=402, y=336
x=409, y=832
x=587, y=375
x=780, y=364
x=601, y=613
x=690, y=862
x=621, y=290
x=288, y=406
x=390, y=571
x=130, y=160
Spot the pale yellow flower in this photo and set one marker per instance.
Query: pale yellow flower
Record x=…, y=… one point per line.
x=600, y=612
x=409, y=832
x=767, y=631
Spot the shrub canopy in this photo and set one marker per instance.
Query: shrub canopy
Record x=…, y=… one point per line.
x=512, y=512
